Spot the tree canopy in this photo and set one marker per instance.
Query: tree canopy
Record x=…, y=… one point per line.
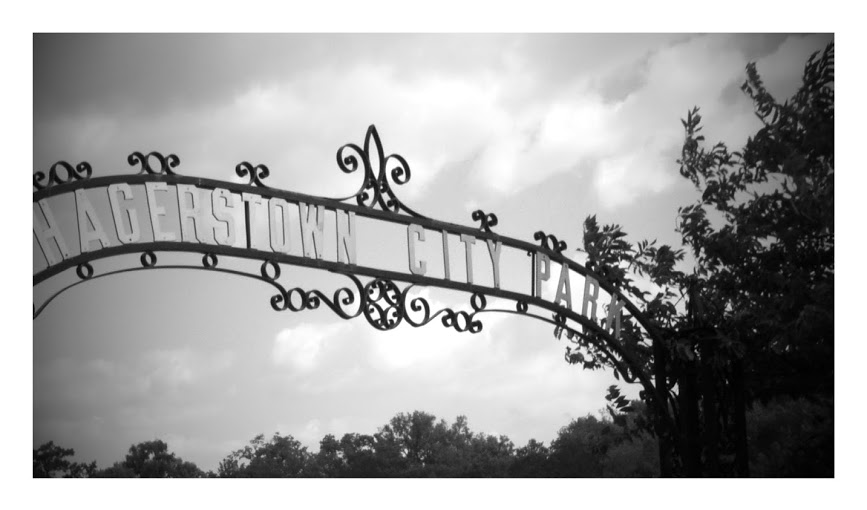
x=752, y=314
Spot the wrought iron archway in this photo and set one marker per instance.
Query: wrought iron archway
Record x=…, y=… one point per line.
x=379, y=299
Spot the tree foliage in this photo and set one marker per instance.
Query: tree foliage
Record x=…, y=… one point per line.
x=152, y=459
x=280, y=457
x=50, y=461
x=761, y=235
x=760, y=290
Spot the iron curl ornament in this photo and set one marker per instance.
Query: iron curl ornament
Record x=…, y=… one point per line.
x=297, y=299
x=486, y=221
x=165, y=164
x=417, y=312
x=377, y=187
x=549, y=242
x=256, y=173
x=62, y=173
x=383, y=307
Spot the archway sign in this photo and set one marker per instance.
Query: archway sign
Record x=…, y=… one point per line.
x=594, y=324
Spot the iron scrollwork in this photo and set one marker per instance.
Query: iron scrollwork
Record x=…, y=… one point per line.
x=62, y=173
x=383, y=306
x=257, y=173
x=486, y=221
x=549, y=242
x=376, y=188
x=461, y=321
x=297, y=299
x=166, y=163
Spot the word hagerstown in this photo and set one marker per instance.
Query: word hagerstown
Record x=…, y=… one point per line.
x=195, y=221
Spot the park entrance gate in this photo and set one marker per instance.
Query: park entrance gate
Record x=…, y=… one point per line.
x=250, y=220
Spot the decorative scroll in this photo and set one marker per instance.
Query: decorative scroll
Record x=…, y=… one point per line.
x=383, y=306
x=257, y=173
x=297, y=299
x=62, y=173
x=166, y=163
x=376, y=189
x=460, y=321
x=549, y=242
x=486, y=220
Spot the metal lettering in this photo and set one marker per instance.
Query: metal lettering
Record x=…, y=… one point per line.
x=564, y=289
x=590, y=299
x=221, y=201
x=312, y=228
x=48, y=234
x=156, y=211
x=540, y=260
x=250, y=200
x=346, y=238
x=469, y=241
x=279, y=236
x=89, y=227
x=495, y=249
x=413, y=231
x=194, y=211
x=614, y=313
x=134, y=233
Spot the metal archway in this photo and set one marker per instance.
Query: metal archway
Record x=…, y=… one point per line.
x=382, y=302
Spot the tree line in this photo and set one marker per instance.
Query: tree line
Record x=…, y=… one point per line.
x=789, y=437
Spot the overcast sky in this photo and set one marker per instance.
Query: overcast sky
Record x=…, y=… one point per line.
x=543, y=130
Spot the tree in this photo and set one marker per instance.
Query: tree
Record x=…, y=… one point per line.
x=152, y=459
x=767, y=275
x=575, y=453
x=758, y=319
x=329, y=462
x=49, y=461
x=531, y=461
x=414, y=434
x=116, y=470
x=281, y=457
x=791, y=437
x=490, y=456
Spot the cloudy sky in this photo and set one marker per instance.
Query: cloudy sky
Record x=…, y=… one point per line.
x=543, y=130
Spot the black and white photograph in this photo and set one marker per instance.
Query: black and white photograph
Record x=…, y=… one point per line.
x=361, y=255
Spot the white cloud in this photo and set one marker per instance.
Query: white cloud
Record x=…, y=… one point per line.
x=169, y=369
x=302, y=347
x=621, y=180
